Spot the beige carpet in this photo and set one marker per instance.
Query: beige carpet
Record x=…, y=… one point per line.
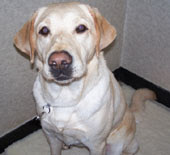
x=153, y=134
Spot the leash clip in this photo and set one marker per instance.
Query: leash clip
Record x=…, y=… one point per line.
x=47, y=108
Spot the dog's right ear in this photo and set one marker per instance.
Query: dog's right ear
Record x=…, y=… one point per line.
x=24, y=40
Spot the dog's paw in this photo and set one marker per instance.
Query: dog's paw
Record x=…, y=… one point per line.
x=65, y=147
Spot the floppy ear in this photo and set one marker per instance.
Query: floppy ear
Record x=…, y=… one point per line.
x=106, y=33
x=24, y=40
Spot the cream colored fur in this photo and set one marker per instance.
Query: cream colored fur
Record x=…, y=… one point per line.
x=88, y=109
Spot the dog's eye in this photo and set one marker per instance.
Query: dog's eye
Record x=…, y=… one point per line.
x=44, y=31
x=81, y=29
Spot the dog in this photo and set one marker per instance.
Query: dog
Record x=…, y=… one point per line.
x=78, y=99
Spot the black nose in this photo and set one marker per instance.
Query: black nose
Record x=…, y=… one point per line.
x=60, y=65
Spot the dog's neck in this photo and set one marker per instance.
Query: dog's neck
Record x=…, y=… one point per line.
x=70, y=95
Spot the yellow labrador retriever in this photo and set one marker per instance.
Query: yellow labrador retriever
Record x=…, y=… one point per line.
x=78, y=99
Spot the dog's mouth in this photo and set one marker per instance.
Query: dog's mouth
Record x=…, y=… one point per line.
x=61, y=75
x=62, y=78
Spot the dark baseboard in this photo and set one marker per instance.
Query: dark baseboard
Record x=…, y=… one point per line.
x=135, y=81
x=19, y=133
x=121, y=74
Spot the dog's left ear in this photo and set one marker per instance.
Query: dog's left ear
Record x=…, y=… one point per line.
x=24, y=40
x=106, y=33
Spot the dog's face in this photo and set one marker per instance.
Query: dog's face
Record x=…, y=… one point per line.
x=65, y=37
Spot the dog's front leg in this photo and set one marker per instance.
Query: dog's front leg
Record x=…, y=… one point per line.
x=55, y=146
x=98, y=149
x=55, y=143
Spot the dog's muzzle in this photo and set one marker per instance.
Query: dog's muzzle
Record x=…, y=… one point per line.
x=60, y=63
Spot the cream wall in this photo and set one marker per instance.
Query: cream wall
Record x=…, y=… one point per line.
x=146, y=43
x=16, y=75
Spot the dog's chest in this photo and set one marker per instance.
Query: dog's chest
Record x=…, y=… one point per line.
x=65, y=125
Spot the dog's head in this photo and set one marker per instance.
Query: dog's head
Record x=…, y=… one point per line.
x=64, y=37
